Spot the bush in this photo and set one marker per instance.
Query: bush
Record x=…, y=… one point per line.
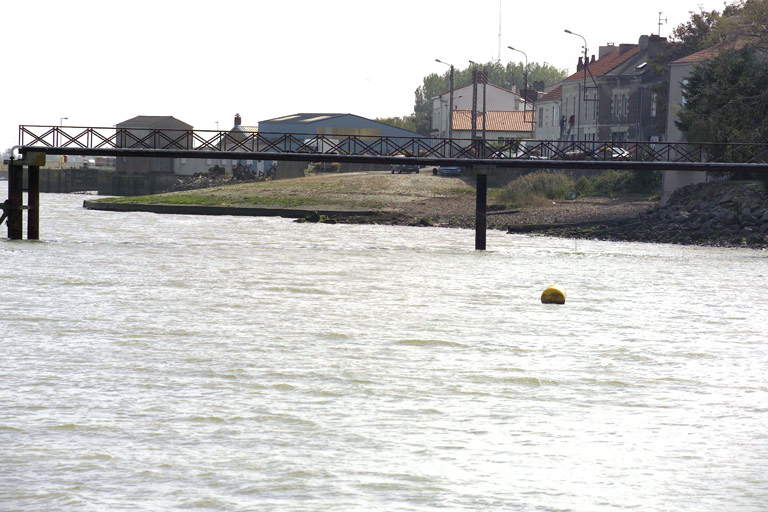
x=536, y=187
x=612, y=183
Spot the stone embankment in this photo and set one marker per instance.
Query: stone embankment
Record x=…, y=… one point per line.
x=720, y=214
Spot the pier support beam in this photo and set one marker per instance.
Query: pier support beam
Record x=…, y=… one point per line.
x=13, y=208
x=33, y=202
x=15, y=199
x=481, y=207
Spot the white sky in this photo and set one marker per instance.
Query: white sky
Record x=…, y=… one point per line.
x=100, y=62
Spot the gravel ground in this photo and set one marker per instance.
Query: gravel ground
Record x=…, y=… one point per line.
x=424, y=199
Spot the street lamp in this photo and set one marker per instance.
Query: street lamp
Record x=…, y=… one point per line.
x=586, y=70
x=525, y=76
x=585, y=47
x=450, y=112
x=62, y=119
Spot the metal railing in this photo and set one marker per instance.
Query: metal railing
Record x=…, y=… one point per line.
x=201, y=143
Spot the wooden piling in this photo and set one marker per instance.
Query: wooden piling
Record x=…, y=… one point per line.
x=33, y=202
x=481, y=209
x=15, y=200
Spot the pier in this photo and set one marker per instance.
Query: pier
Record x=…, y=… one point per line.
x=479, y=157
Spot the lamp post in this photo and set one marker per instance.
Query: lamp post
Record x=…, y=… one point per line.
x=62, y=119
x=586, y=66
x=450, y=106
x=525, y=77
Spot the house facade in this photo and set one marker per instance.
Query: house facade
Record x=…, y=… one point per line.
x=496, y=99
x=612, y=98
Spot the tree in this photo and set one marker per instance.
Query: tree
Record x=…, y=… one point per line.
x=405, y=122
x=727, y=99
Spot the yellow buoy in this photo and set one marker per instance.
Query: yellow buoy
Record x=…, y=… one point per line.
x=553, y=295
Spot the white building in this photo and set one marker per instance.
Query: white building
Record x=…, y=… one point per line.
x=548, y=126
x=496, y=99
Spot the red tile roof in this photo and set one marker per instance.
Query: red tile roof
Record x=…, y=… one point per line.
x=496, y=120
x=710, y=53
x=605, y=65
x=554, y=94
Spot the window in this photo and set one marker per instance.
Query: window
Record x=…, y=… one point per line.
x=654, y=100
x=624, y=105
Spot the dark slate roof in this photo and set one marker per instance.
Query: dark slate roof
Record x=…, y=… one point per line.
x=152, y=121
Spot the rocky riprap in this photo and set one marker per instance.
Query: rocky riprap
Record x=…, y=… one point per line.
x=722, y=214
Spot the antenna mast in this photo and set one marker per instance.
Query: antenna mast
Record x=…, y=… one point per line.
x=661, y=22
x=499, y=54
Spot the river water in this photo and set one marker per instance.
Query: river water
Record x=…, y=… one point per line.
x=153, y=362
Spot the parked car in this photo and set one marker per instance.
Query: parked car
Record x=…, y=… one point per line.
x=449, y=170
x=404, y=168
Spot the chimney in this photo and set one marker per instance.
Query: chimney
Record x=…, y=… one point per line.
x=606, y=50
x=655, y=44
x=238, y=120
x=580, y=65
x=624, y=48
x=593, y=60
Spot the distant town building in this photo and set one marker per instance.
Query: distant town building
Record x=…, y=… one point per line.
x=152, y=132
x=331, y=125
x=497, y=99
x=499, y=124
x=550, y=124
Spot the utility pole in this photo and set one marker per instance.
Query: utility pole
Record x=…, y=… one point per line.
x=450, y=106
x=474, y=102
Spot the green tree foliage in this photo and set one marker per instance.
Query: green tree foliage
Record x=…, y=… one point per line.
x=727, y=99
x=509, y=76
x=405, y=122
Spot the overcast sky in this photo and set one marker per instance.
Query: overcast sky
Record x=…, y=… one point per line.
x=101, y=62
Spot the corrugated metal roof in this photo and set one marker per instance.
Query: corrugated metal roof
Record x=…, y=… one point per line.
x=496, y=120
x=303, y=118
